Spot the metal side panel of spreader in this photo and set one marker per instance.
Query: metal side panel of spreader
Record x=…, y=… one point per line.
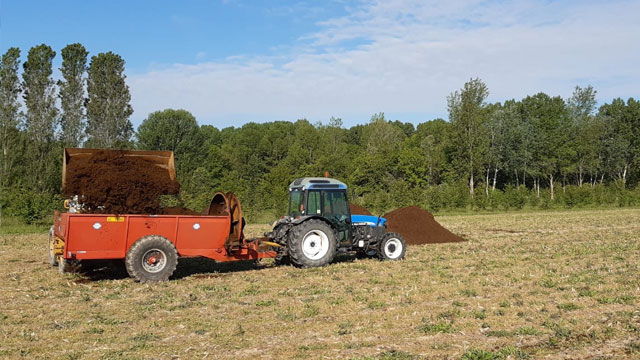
x=91, y=236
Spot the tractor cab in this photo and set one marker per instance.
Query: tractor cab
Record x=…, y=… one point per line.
x=322, y=198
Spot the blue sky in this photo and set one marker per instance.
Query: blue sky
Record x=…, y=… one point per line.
x=148, y=33
x=230, y=62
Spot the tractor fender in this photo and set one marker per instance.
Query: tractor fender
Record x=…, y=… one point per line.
x=282, y=229
x=302, y=219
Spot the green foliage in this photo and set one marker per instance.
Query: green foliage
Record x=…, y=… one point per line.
x=468, y=114
x=509, y=352
x=568, y=306
x=29, y=205
x=478, y=354
x=576, y=196
x=74, y=67
x=41, y=117
x=508, y=153
x=430, y=328
x=515, y=198
x=177, y=131
x=39, y=93
x=108, y=108
x=9, y=106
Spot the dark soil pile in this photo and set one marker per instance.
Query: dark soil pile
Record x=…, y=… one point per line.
x=418, y=226
x=111, y=183
x=358, y=210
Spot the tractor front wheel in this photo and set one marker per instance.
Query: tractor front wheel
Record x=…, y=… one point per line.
x=312, y=244
x=152, y=258
x=392, y=247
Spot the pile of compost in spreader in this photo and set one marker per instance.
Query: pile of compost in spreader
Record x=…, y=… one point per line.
x=418, y=226
x=112, y=183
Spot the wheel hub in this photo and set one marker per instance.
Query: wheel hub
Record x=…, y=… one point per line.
x=393, y=248
x=315, y=244
x=154, y=260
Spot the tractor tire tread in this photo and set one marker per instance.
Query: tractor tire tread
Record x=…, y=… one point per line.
x=387, y=236
x=282, y=258
x=294, y=247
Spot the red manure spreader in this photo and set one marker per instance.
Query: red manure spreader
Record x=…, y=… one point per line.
x=317, y=226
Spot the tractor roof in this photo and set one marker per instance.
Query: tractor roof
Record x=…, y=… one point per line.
x=317, y=183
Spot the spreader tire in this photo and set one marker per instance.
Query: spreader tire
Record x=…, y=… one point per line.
x=151, y=258
x=53, y=261
x=312, y=244
x=392, y=247
x=68, y=266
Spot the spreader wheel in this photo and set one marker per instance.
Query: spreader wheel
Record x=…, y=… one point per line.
x=392, y=247
x=151, y=258
x=68, y=266
x=53, y=260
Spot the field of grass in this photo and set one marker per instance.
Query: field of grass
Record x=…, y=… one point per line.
x=561, y=285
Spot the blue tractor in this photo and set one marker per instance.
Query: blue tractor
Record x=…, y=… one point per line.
x=319, y=225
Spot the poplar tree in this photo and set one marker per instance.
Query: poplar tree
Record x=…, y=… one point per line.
x=41, y=117
x=581, y=107
x=74, y=66
x=550, y=123
x=9, y=106
x=467, y=114
x=108, y=108
x=622, y=143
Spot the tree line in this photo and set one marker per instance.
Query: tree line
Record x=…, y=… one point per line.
x=541, y=151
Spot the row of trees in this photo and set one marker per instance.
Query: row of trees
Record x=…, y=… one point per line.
x=503, y=155
x=89, y=105
x=543, y=139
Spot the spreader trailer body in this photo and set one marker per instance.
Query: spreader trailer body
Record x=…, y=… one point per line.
x=149, y=244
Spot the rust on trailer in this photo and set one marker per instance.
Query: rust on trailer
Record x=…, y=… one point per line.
x=219, y=205
x=236, y=235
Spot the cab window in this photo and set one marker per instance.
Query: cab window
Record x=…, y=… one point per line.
x=314, y=203
x=295, y=203
x=335, y=203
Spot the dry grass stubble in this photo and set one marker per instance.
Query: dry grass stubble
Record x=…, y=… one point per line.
x=525, y=285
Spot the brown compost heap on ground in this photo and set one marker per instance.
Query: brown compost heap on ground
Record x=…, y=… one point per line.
x=358, y=210
x=111, y=183
x=418, y=226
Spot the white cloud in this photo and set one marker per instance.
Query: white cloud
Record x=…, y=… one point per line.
x=410, y=56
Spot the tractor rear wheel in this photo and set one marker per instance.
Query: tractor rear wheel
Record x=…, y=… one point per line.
x=392, y=247
x=151, y=258
x=312, y=244
x=282, y=258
